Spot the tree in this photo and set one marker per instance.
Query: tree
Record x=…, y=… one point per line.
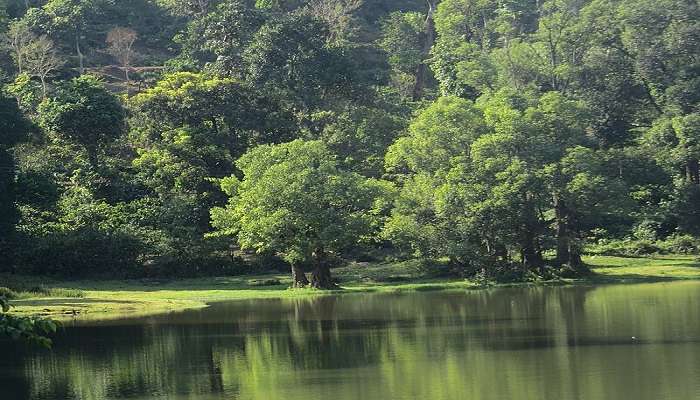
x=479, y=179
x=41, y=60
x=663, y=39
x=294, y=200
x=428, y=37
x=84, y=112
x=338, y=16
x=465, y=37
x=19, y=39
x=68, y=22
x=360, y=135
x=217, y=39
x=190, y=128
x=13, y=128
x=121, y=41
x=290, y=59
x=438, y=144
x=606, y=79
x=437, y=135
x=541, y=132
x=586, y=196
x=401, y=40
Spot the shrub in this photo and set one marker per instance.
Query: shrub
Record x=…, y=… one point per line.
x=79, y=253
x=8, y=293
x=675, y=244
x=681, y=244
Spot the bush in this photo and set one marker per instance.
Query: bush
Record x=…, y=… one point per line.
x=501, y=272
x=681, y=244
x=43, y=291
x=8, y=293
x=80, y=253
x=629, y=247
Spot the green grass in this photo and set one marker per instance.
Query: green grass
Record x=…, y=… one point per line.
x=647, y=269
x=92, y=300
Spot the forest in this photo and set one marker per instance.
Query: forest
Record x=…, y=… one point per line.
x=503, y=138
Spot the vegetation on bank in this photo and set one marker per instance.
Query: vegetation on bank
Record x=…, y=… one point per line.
x=102, y=300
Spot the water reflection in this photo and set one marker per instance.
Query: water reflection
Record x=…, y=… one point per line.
x=637, y=341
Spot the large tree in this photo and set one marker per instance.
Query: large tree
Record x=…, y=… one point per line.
x=289, y=57
x=71, y=23
x=438, y=141
x=294, y=200
x=84, y=112
x=190, y=128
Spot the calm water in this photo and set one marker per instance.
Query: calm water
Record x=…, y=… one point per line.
x=510, y=344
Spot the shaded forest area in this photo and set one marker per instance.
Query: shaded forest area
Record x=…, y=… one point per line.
x=502, y=138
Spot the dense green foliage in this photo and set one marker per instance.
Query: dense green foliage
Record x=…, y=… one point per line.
x=294, y=200
x=29, y=329
x=505, y=139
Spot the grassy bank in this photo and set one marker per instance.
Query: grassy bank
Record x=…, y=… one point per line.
x=93, y=300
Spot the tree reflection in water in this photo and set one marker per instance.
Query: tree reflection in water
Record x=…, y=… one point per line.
x=522, y=343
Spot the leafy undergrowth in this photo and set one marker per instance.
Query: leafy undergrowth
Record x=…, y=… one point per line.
x=93, y=300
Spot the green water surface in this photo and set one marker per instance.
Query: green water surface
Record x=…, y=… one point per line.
x=639, y=342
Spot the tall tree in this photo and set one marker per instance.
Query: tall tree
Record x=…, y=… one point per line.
x=289, y=57
x=41, y=60
x=19, y=38
x=190, y=128
x=401, y=40
x=293, y=200
x=438, y=143
x=71, y=23
x=84, y=112
x=120, y=42
x=428, y=39
x=339, y=16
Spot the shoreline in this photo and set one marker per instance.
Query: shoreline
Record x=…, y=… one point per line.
x=110, y=300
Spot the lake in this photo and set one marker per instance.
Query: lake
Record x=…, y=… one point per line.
x=638, y=341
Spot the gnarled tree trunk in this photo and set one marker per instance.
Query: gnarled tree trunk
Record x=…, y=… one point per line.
x=321, y=275
x=299, y=279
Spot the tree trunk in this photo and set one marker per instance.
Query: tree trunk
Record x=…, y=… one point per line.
x=567, y=251
x=299, y=277
x=81, y=65
x=531, y=258
x=428, y=41
x=92, y=157
x=128, y=86
x=692, y=171
x=321, y=275
x=43, y=86
x=561, y=231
